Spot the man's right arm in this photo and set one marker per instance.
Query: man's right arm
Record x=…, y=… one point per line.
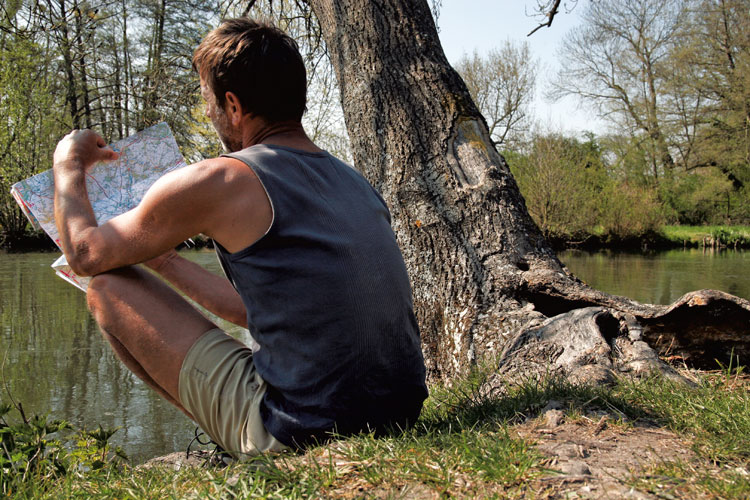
x=211, y=291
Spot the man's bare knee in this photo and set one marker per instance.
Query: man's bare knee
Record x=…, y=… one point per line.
x=104, y=288
x=99, y=287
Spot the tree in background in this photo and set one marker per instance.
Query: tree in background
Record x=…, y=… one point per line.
x=575, y=189
x=112, y=65
x=166, y=88
x=719, y=56
x=29, y=124
x=502, y=84
x=119, y=66
x=562, y=180
x=616, y=59
x=672, y=78
x=708, y=97
x=718, y=59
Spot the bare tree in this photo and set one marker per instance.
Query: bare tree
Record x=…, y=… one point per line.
x=546, y=10
x=165, y=86
x=502, y=84
x=29, y=89
x=715, y=67
x=618, y=58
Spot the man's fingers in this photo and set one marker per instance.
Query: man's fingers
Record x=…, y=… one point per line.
x=106, y=152
x=86, y=146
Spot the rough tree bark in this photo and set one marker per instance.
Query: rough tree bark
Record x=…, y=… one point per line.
x=486, y=283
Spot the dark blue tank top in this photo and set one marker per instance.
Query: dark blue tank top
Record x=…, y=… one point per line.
x=328, y=300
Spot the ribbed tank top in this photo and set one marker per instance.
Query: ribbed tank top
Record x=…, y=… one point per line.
x=328, y=300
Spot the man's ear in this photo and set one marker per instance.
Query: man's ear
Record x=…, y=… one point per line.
x=233, y=108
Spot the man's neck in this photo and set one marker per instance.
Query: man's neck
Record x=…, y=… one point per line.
x=288, y=133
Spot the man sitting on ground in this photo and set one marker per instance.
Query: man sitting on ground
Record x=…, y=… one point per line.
x=314, y=270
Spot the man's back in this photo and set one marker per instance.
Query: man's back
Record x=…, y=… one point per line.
x=328, y=300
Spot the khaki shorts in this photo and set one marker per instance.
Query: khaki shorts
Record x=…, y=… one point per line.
x=221, y=389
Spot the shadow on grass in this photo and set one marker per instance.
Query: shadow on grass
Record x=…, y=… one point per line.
x=474, y=402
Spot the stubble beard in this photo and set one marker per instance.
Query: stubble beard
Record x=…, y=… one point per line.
x=222, y=128
x=229, y=144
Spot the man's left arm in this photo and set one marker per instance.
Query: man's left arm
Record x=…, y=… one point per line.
x=74, y=155
x=178, y=206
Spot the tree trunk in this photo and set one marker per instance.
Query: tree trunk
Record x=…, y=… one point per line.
x=65, y=43
x=127, y=68
x=154, y=71
x=81, y=39
x=486, y=283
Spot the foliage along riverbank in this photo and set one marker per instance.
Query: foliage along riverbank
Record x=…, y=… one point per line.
x=666, y=237
x=545, y=439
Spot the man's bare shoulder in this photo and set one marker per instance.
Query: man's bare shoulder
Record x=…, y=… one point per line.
x=221, y=197
x=240, y=211
x=206, y=169
x=214, y=174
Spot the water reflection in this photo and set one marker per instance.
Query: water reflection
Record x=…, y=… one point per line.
x=662, y=278
x=56, y=361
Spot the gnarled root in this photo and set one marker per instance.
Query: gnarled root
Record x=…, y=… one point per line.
x=594, y=344
x=588, y=345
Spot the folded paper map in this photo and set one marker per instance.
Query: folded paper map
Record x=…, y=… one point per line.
x=113, y=187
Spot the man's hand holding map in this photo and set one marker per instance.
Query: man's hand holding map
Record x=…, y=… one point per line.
x=113, y=187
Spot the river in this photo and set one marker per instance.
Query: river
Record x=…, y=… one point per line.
x=662, y=277
x=55, y=361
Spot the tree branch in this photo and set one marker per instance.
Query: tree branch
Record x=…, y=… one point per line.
x=550, y=17
x=247, y=9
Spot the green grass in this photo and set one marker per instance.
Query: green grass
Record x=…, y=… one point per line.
x=463, y=446
x=716, y=414
x=698, y=235
x=681, y=479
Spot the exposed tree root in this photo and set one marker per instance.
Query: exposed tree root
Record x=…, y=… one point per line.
x=589, y=345
x=592, y=336
x=701, y=327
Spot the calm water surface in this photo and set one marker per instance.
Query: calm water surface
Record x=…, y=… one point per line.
x=56, y=361
x=662, y=278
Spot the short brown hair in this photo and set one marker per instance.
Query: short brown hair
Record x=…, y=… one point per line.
x=257, y=62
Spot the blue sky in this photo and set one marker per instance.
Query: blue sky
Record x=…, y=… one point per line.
x=468, y=25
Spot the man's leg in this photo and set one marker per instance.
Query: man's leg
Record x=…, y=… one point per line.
x=130, y=362
x=152, y=326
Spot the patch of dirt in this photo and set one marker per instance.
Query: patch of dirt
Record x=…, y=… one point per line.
x=593, y=456
x=180, y=459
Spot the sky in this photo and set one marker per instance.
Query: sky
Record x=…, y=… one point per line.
x=468, y=25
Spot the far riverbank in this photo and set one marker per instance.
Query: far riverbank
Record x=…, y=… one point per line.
x=667, y=237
